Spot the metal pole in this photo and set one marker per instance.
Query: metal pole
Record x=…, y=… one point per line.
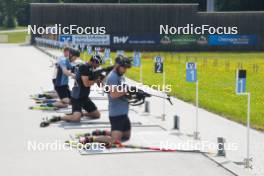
x=140, y=74
x=164, y=81
x=247, y=164
x=196, y=133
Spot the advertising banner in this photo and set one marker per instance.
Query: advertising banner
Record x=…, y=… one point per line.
x=130, y=40
x=224, y=40
x=65, y=38
x=184, y=40
x=93, y=40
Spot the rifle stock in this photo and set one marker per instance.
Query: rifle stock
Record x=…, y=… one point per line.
x=99, y=73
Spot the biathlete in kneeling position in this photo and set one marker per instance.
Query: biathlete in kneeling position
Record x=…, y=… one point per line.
x=118, y=106
x=61, y=80
x=80, y=100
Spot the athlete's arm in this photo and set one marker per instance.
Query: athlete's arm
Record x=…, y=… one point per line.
x=65, y=71
x=68, y=72
x=85, y=75
x=115, y=93
x=86, y=81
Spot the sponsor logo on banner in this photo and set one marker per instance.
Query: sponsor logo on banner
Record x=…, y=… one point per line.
x=165, y=40
x=65, y=38
x=221, y=40
x=202, y=40
x=120, y=39
x=148, y=39
x=184, y=40
x=94, y=40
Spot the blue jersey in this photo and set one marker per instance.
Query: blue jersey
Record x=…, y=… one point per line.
x=117, y=106
x=61, y=79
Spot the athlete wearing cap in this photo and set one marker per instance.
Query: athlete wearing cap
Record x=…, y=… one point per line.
x=63, y=72
x=118, y=106
x=80, y=92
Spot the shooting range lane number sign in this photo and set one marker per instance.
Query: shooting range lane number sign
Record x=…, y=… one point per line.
x=107, y=53
x=158, y=66
x=89, y=50
x=191, y=72
x=97, y=50
x=241, y=76
x=137, y=59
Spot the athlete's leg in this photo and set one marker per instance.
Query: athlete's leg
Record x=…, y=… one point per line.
x=120, y=128
x=91, y=109
x=62, y=103
x=52, y=95
x=126, y=136
x=126, y=128
x=92, y=115
x=116, y=137
x=75, y=117
x=76, y=111
x=64, y=95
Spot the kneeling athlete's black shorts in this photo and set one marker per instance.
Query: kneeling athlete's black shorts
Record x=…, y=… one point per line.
x=63, y=91
x=83, y=103
x=120, y=123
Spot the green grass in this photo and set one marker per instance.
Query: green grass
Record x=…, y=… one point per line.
x=18, y=27
x=216, y=74
x=16, y=37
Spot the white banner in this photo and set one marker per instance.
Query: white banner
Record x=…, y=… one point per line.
x=93, y=40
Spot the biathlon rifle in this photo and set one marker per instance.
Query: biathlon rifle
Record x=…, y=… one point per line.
x=136, y=96
x=101, y=73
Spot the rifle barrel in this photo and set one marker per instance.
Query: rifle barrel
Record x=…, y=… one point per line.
x=167, y=98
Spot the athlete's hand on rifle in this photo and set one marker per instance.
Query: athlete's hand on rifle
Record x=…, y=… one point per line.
x=101, y=73
x=136, y=96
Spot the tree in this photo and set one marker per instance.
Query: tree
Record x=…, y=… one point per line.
x=9, y=7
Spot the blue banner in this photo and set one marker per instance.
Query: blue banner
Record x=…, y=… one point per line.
x=130, y=40
x=225, y=40
x=65, y=38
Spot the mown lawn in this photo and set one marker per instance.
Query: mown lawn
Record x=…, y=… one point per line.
x=16, y=37
x=216, y=74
